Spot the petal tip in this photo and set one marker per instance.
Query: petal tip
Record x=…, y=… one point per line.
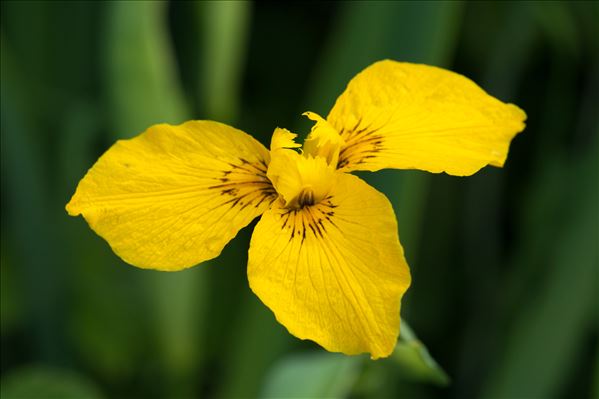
x=72, y=208
x=519, y=116
x=313, y=116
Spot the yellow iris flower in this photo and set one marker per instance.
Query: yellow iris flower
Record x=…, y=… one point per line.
x=325, y=256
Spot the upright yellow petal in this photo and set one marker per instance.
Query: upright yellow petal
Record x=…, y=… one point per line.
x=283, y=139
x=323, y=141
x=333, y=272
x=174, y=196
x=412, y=116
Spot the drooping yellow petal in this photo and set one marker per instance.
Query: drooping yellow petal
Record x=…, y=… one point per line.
x=298, y=178
x=323, y=141
x=333, y=272
x=174, y=196
x=411, y=116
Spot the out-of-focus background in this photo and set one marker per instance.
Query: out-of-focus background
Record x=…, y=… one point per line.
x=504, y=263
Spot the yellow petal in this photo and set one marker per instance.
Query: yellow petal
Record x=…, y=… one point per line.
x=283, y=139
x=174, y=196
x=333, y=272
x=323, y=141
x=411, y=116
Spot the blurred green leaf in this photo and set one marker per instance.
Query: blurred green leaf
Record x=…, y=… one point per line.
x=595, y=387
x=257, y=340
x=178, y=303
x=312, y=375
x=481, y=227
x=141, y=72
x=547, y=334
x=415, y=361
x=25, y=187
x=39, y=382
x=224, y=35
x=108, y=294
x=514, y=40
x=548, y=295
x=556, y=21
x=80, y=128
x=11, y=306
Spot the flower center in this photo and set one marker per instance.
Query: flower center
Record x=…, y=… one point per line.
x=301, y=179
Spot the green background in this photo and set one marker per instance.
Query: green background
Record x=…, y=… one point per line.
x=504, y=263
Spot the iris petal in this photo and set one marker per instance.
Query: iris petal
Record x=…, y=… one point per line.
x=333, y=272
x=175, y=195
x=412, y=116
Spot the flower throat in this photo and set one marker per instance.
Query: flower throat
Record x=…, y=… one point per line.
x=305, y=197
